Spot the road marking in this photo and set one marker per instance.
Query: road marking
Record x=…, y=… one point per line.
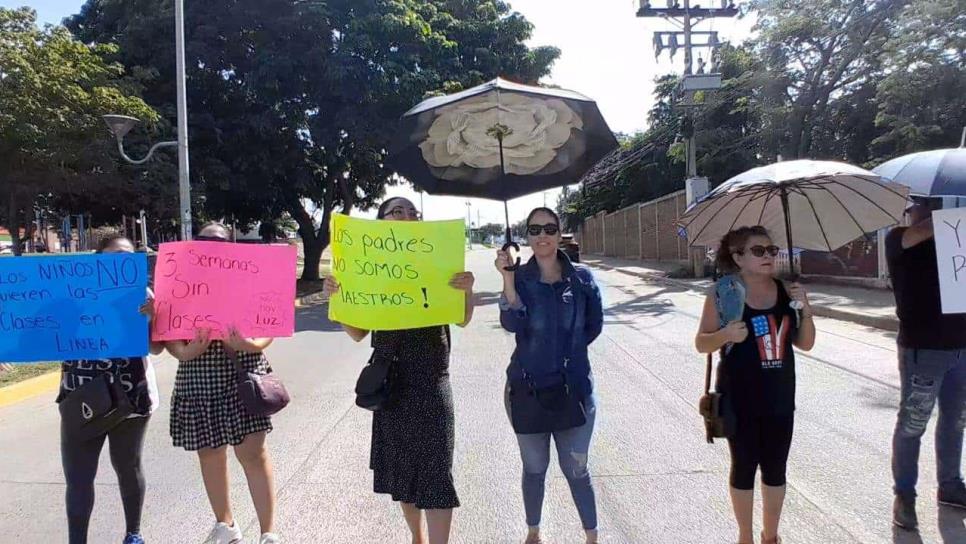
x=28, y=389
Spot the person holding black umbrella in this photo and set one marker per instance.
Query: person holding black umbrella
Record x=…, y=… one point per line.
x=554, y=308
x=757, y=372
x=932, y=366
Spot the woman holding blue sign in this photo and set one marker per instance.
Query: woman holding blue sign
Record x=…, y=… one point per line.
x=131, y=387
x=754, y=319
x=413, y=434
x=554, y=308
x=207, y=415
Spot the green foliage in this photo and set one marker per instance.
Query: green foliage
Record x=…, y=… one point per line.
x=53, y=91
x=292, y=104
x=859, y=81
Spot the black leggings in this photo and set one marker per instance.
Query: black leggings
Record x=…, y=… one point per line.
x=80, y=467
x=760, y=441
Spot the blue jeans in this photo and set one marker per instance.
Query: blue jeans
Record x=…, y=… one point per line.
x=573, y=447
x=928, y=375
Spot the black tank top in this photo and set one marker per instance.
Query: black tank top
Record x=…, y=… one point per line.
x=759, y=373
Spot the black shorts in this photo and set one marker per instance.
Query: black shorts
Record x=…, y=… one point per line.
x=760, y=441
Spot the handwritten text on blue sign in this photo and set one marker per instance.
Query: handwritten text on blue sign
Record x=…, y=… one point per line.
x=76, y=307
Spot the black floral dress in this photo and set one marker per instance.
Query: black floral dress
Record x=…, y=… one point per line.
x=413, y=438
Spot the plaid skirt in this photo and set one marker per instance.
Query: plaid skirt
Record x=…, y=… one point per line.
x=206, y=411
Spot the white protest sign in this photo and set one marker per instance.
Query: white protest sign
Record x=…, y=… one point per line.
x=950, y=228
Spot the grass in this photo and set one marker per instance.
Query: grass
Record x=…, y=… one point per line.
x=20, y=373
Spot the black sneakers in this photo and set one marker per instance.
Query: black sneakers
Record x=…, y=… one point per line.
x=904, y=512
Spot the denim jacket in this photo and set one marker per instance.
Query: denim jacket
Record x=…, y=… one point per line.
x=553, y=325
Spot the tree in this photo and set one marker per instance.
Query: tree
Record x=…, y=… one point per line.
x=492, y=230
x=53, y=91
x=292, y=104
x=855, y=80
x=813, y=52
x=922, y=97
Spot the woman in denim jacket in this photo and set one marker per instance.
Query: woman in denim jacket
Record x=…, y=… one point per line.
x=554, y=308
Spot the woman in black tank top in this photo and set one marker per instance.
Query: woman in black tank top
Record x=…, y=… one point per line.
x=757, y=372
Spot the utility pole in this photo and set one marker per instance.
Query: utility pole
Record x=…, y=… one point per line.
x=686, y=17
x=681, y=14
x=184, y=184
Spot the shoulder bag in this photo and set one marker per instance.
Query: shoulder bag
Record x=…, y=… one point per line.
x=260, y=394
x=719, y=417
x=537, y=410
x=374, y=389
x=95, y=408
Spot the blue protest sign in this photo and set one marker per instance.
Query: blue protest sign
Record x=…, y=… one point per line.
x=55, y=308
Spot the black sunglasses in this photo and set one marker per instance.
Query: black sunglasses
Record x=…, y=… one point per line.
x=549, y=229
x=759, y=251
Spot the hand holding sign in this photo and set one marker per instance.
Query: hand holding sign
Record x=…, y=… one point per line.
x=392, y=275
x=950, y=232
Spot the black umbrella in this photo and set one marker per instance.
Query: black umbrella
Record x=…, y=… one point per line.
x=500, y=140
x=929, y=173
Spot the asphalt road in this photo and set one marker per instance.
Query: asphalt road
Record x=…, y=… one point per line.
x=656, y=479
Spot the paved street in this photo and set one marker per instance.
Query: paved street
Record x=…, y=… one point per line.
x=656, y=479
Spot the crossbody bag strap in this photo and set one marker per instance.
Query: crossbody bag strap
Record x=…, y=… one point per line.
x=707, y=375
x=393, y=349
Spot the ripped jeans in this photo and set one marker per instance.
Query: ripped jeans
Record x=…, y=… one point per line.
x=573, y=446
x=928, y=375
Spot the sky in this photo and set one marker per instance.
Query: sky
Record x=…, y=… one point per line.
x=607, y=54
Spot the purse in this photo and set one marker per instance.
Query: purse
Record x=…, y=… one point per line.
x=374, y=389
x=260, y=394
x=718, y=414
x=95, y=408
x=538, y=410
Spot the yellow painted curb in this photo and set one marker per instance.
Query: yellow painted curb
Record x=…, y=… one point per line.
x=26, y=389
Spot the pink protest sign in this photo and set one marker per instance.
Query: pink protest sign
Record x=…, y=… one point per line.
x=213, y=285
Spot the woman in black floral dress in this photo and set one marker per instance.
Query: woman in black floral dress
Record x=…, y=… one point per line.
x=412, y=440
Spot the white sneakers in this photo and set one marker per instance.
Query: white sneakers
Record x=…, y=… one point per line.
x=224, y=534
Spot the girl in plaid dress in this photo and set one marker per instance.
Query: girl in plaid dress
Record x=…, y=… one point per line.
x=207, y=416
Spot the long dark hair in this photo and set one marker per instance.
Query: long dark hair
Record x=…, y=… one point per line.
x=548, y=211
x=734, y=242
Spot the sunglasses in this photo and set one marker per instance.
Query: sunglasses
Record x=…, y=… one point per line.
x=760, y=251
x=549, y=229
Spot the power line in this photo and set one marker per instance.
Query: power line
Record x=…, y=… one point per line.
x=686, y=17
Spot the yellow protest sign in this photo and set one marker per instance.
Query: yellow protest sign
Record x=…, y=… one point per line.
x=395, y=274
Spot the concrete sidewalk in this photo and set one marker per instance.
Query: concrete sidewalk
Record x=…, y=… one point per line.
x=869, y=307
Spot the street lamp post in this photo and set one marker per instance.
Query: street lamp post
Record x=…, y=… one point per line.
x=120, y=125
